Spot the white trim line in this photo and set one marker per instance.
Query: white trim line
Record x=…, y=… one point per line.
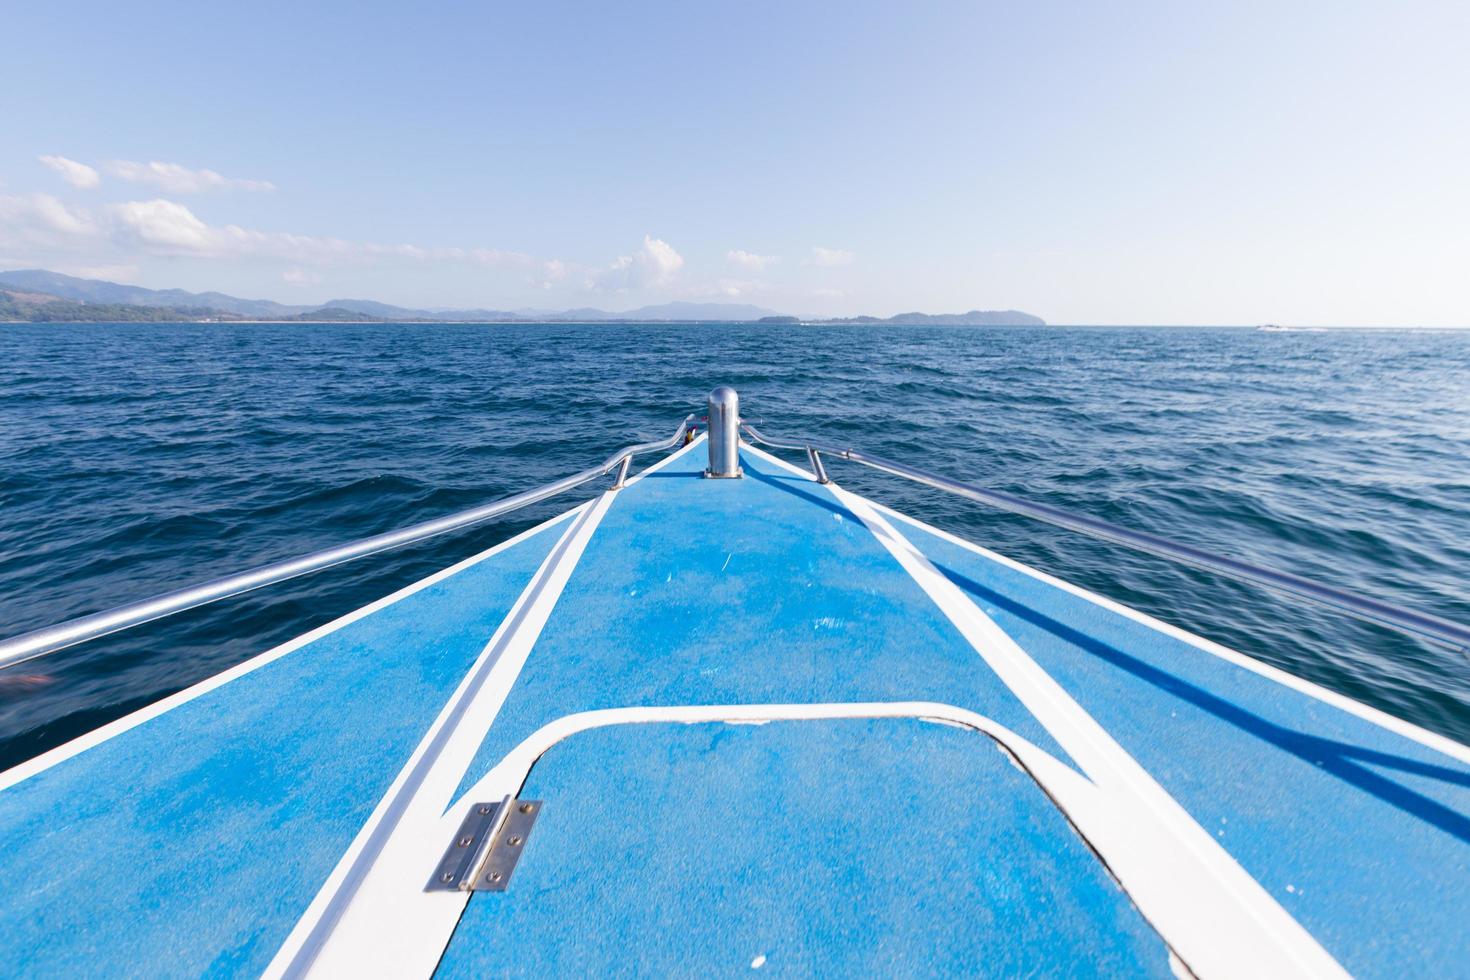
x=1407, y=729
x=1251, y=915
x=509, y=775
x=1199, y=917
x=1342, y=702
x=114, y=728
x=347, y=911
x=424, y=787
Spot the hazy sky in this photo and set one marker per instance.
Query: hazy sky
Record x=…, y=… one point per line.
x=1091, y=163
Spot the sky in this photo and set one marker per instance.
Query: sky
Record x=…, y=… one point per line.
x=1148, y=163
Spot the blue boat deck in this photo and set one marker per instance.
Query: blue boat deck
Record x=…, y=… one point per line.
x=779, y=727
x=816, y=847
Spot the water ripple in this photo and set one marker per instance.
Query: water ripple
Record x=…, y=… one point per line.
x=142, y=457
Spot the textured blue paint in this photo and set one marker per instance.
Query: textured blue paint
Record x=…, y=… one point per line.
x=836, y=848
x=1371, y=830
x=192, y=843
x=749, y=591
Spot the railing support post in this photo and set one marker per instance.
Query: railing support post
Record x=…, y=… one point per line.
x=724, y=434
x=622, y=473
x=818, y=469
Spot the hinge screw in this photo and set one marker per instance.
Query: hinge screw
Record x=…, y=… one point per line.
x=513, y=841
x=446, y=877
x=493, y=876
x=526, y=808
x=484, y=809
x=466, y=841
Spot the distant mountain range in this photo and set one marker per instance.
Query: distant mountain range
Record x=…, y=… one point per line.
x=98, y=291
x=40, y=296
x=38, y=285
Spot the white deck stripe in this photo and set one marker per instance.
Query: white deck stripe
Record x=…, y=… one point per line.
x=1368, y=713
x=396, y=946
x=423, y=787
x=1193, y=900
x=1382, y=719
x=1234, y=928
x=362, y=897
x=1123, y=829
x=115, y=728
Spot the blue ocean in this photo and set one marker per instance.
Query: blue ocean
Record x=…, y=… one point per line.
x=142, y=457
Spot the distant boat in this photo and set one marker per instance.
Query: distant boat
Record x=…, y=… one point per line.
x=728, y=713
x=1273, y=326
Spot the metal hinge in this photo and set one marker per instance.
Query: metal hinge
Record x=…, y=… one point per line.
x=486, y=848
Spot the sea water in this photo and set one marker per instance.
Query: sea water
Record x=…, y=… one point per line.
x=138, y=458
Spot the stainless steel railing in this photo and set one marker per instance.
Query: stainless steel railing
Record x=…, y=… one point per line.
x=1422, y=625
x=40, y=642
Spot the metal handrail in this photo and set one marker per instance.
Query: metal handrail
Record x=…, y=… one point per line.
x=1422, y=625
x=37, y=643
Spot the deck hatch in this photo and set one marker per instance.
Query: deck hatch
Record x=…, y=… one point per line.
x=486, y=847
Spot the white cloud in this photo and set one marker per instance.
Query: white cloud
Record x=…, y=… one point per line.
x=300, y=277
x=158, y=226
x=31, y=219
x=75, y=174
x=553, y=271
x=178, y=179
x=726, y=289
x=166, y=225
x=831, y=257
x=749, y=260
x=660, y=259
x=655, y=264
x=33, y=222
